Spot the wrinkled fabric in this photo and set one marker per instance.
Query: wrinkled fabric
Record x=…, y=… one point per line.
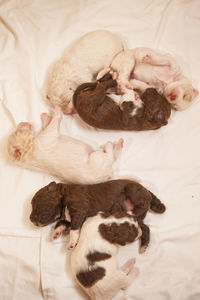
x=33, y=34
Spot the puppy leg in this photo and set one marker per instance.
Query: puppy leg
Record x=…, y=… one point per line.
x=61, y=226
x=156, y=59
x=127, y=267
x=124, y=65
x=73, y=238
x=103, y=72
x=140, y=85
x=145, y=237
x=118, y=147
x=131, y=276
x=113, y=148
x=170, y=70
x=46, y=119
x=130, y=271
x=53, y=126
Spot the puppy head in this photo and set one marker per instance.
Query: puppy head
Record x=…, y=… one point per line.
x=21, y=142
x=180, y=93
x=63, y=101
x=157, y=110
x=46, y=205
x=60, y=89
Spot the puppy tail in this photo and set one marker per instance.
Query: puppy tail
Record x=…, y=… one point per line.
x=156, y=205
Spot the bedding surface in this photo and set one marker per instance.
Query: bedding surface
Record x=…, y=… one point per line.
x=33, y=34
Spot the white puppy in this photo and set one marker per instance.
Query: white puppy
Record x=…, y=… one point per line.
x=141, y=68
x=81, y=63
x=94, y=259
x=69, y=159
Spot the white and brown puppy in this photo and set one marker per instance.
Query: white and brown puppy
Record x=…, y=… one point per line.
x=81, y=63
x=94, y=259
x=65, y=157
x=141, y=68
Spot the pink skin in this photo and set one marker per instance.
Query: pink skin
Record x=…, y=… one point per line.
x=57, y=232
x=46, y=119
x=128, y=205
x=17, y=153
x=128, y=266
x=25, y=126
x=172, y=96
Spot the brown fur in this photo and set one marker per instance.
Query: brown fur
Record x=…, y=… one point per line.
x=90, y=277
x=95, y=107
x=84, y=201
x=121, y=234
x=97, y=256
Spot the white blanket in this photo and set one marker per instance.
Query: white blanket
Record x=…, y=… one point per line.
x=33, y=34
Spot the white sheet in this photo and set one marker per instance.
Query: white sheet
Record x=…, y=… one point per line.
x=32, y=35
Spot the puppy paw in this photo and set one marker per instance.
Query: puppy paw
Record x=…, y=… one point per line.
x=71, y=246
x=57, y=233
x=128, y=266
x=73, y=241
x=143, y=249
x=118, y=147
x=58, y=111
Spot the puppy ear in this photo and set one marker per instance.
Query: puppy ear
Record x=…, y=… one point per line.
x=52, y=187
x=159, y=116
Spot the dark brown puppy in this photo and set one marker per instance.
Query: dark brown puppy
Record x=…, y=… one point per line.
x=50, y=203
x=96, y=108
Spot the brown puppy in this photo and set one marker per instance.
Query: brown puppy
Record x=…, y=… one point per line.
x=96, y=107
x=76, y=202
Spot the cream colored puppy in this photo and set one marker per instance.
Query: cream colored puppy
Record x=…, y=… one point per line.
x=65, y=157
x=141, y=68
x=81, y=63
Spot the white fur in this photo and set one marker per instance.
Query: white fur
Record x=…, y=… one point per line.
x=90, y=240
x=141, y=68
x=69, y=159
x=80, y=63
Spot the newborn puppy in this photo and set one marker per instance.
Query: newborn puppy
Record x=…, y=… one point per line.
x=94, y=260
x=69, y=159
x=141, y=68
x=96, y=107
x=81, y=63
x=75, y=202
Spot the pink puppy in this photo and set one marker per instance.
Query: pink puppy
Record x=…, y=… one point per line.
x=65, y=157
x=141, y=68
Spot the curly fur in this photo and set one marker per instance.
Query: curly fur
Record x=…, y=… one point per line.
x=114, y=197
x=81, y=63
x=93, y=102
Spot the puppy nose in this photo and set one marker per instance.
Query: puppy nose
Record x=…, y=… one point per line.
x=172, y=96
x=25, y=125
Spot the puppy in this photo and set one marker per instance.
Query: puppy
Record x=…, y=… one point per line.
x=141, y=68
x=75, y=202
x=94, y=260
x=81, y=63
x=95, y=106
x=69, y=159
